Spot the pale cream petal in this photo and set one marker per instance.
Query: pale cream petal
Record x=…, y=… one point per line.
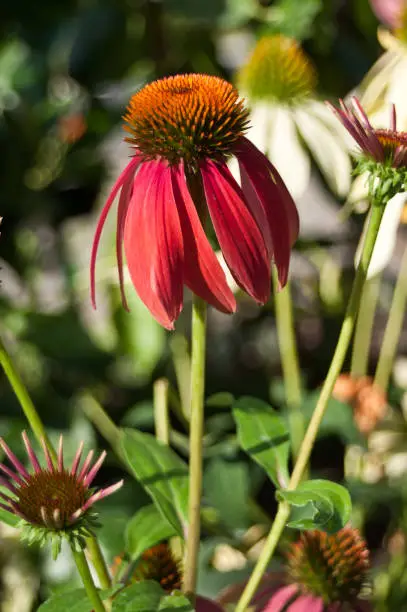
x=331, y=157
x=386, y=239
x=261, y=117
x=324, y=113
x=372, y=90
x=287, y=153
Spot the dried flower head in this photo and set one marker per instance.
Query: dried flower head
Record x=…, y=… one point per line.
x=278, y=70
x=53, y=502
x=368, y=400
x=383, y=153
x=183, y=129
x=159, y=563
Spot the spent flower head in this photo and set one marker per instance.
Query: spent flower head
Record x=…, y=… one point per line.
x=183, y=130
x=383, y=152
x=53, y=502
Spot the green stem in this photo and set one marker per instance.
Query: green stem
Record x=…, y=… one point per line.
x=84, y=572
x=24, y=398
x=161, y=416
x=326, y=391
x=102, y=421
x=393, y=328
x=196, y=437
x=99, y=562
x=364, y=327
x=182, y=367
x=290, y=364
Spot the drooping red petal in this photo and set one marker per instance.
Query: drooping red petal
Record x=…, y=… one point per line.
x=203, y=273
x=125, y=177
x=124, y=200
x=240, y=239
x=153, y=243
x=261, y=179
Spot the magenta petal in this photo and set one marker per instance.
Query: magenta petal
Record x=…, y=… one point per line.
x=280, y=599
x=240, y=239
x=274, y=203
x=307, y=603
x=153, y=243
x=124, y=177
x=203, y=273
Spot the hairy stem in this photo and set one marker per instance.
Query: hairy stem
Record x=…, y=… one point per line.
x=86, y=576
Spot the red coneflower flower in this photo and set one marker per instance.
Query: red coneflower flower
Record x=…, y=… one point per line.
x=53, y=502
x=183, y=130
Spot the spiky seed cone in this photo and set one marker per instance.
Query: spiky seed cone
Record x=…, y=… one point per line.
x=332, y=567
x=158, y=563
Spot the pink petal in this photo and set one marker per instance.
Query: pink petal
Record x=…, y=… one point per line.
x=270, y=202
x=13, y=459
x=77, y=459
x=86, y=465
x=61, y=454
x=280, y=599
x=30, y=452
x=202, y=272
x=389, y=12
x=307, y=603
x=240, y=239
x=87, y=481
x=153, y=243
x=124, y=201
x=124, y=177
x=11, y=474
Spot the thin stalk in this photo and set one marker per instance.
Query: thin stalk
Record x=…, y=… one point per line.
x=290, y=364
x=161, y=415
x=307, y=445
x=86, y=576
x=102, y=421
x=182, y=367
x=99, y=562
x=24, y=398
x=393, y=328
x=196, y=438
x=364, y=327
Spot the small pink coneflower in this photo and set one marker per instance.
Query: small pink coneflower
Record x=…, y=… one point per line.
x=53, y=502
x=183, y=130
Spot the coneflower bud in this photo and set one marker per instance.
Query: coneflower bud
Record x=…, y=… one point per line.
x=53, y=502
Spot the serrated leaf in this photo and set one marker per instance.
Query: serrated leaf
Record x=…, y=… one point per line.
x=145, y=529
x=318, y=504
x=139, y=597
x=263, y=434
x=161, y=472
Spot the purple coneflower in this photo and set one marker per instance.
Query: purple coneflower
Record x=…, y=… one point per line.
x=183, y=130
x=53, y=502
x=383, y=152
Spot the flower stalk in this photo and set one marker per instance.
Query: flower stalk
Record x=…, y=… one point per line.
x=24, y=398
x=326, y=391
x=161, y=415
x=86, y=577
x=290, y=364
x=364, y=327
x=393, y=328
x=196, y=442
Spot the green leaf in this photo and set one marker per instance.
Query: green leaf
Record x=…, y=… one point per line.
x=139, y=597
x=145, y=529
x=9, y=518
x=176, y=600
x=318, y=504
x=338, y=419
x=161, y=472
x=264, y=436
x=74, y=601
x=226, y=480
x=223, y=399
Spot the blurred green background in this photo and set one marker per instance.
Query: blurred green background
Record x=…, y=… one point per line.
x=67, y=70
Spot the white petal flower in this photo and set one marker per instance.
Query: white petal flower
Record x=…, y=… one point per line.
x=386, y=238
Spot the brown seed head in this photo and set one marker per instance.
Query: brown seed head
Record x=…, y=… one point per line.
x=158, y=563
x=51, y=498
x=332, y=567
x=186, y=117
